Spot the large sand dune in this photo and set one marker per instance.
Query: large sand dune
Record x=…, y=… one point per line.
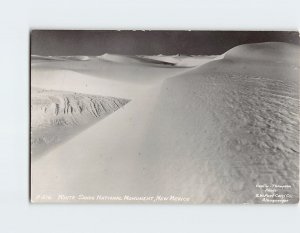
x=228, y=126
x=210, y=132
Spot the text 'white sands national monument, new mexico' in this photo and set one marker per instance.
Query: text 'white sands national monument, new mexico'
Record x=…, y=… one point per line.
x=167, y=128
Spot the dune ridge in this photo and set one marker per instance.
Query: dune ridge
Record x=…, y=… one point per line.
x=57, y=115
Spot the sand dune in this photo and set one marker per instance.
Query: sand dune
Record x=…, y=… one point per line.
x=76, y=58
x=210, y=133
x=39, y=58
x=229, y=125
x=117, y=73
x=100, y=77
x=36, y=58
x=141, y=60
x=183, y=60
x=57, y=116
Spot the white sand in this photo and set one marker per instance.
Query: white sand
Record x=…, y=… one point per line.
x=210, y=133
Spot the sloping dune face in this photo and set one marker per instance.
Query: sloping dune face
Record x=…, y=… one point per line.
x=103, y=159
x=58, y=115
x=228, y=126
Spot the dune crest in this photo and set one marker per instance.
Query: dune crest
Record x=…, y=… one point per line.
x=276, y=52
x=57, y=115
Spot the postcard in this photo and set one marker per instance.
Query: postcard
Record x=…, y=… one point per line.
x=164, y=117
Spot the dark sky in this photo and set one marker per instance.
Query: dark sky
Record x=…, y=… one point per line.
x=84, y=42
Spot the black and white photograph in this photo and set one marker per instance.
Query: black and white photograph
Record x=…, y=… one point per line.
x=164, y=117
